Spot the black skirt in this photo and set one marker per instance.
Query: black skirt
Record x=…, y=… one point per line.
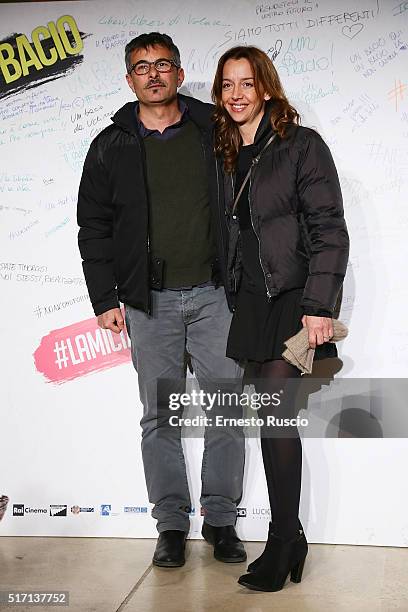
x=259, y=328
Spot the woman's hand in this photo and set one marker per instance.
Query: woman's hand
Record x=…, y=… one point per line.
x=320, y=329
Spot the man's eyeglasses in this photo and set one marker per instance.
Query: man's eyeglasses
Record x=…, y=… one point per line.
x=161, y=65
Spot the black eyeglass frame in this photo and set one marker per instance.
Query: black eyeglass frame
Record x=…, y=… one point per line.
x=161, y=59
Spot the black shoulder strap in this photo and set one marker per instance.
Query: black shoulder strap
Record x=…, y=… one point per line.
x=246, y=179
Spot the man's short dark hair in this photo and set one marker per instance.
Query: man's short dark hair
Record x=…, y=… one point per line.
x=151, y=40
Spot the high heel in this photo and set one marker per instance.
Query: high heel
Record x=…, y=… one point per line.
x=280, y=558
x=296, y=572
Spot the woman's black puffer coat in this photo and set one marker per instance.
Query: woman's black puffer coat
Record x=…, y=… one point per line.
x=297, y=214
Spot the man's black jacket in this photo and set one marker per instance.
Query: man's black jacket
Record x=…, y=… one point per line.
x=113, y=210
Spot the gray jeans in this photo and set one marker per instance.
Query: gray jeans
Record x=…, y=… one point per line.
x=195, y=321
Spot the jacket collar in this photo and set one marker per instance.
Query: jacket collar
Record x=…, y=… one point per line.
x=125, y=117
x=264, y=130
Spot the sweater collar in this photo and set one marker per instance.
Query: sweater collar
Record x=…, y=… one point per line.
x=126, y=119
x=144, y=131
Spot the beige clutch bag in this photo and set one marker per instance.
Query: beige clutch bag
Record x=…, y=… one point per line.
x=298, y=352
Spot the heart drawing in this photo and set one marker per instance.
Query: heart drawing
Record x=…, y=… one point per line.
x=352, y=31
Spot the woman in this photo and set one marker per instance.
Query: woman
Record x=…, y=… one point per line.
x=288, y=255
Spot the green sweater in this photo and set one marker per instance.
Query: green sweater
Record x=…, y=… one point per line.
x=179, y=222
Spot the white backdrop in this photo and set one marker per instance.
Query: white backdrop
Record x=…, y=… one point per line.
x=70, y=412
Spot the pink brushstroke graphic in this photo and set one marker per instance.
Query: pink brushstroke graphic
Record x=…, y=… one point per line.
x=79, y=349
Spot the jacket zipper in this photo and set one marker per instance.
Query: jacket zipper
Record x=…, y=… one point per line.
x=234, y=217
x=149, y=297
x=223, y=251
x=268, y=293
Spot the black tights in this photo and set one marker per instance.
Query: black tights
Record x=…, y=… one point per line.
x=282, y=456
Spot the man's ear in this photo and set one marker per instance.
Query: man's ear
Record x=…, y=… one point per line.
x=180, y=77
x=130, y=82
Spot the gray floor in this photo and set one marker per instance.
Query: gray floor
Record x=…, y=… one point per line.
x=115, y=575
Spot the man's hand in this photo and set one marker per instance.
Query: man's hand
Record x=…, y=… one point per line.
x=320, y=329
x=112, y=319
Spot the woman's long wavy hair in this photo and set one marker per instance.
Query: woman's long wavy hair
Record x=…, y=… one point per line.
x=266, y=81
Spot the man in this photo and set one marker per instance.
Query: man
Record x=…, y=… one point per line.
x=152, y=236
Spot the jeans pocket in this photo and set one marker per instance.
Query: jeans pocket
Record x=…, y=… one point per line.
x=127, y=321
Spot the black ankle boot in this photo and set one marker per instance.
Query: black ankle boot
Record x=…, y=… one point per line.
x=252, y=566
x=279, y=558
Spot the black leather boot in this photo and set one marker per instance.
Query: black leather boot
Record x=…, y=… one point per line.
x=280, y=557
x=227, y=545
x=170, y=548
x=252, y=566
